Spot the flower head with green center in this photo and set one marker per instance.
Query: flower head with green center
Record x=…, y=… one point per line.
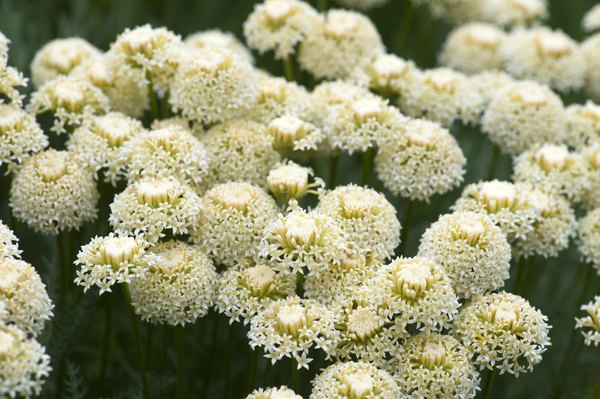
x=289, y=181
x=20, y=136
x=24, y=295
x=354, y=380
x=231, y=222
x=177, y=288
x=273, y=393
x=292, y=135
x=291, y=327
x=503, y=331
x=588, y=240
x=471, y=249
x=590, y=324
x=215, y=38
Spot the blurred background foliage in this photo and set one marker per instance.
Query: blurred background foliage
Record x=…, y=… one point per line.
x=75, y=336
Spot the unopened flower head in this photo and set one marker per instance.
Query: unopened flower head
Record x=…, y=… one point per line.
x=71, y=100
x=215, y=38
x=291, y=134
x=432, y=365
x=177, y=288
x=278, y=97
x=170, y=151
x=583, y=125
x=474, y=48
x=304, y=240
x=232, y=219
x=367, y=219
x=152, y=206
x=282, y=392
x=9, y=243
x=242, y=151
x=290, y=181
x=522, y=114
x=291, y=327
x=212, y=85
x=442, y=95
x=348, y=38
x=113, y=259
x=591, y=19
x=590, y=48
x=418, y=291
x=53, y=192
x=20, y=136
x=175, y=122
x=503, y=331
x=247, y=289
x=99, y=143
x=279, y=26
x=553, y=168
x=419, y=160
x=354, y=380
x=546, y=56
x=590, y=324
x=591, y=158
x=386, y=74
x=24, y=364
x=24, y=295
x=506, y=203
x=59, y=57
x=471, y=249
x=10, y=79
x=588, y=240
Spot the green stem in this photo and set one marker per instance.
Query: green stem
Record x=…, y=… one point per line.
x=179, y=343
x=63, y=264
x=295, y=375
x=230, y=348
x=529, y=280
x=521, y=269
x=595, y=393
x=165, y=108
x=367, y=157
x=267, y=372
x=494, y=162
x=322, y=5
x=426, y=45
x=152, y=96
x=252, y=374
x=136, y=339
x=288, y=69
x=300, y=284
x=487, y=385
x=105, y=340
x=334, y=163
x=211, y=354
x=407, y=19
x=408, y=212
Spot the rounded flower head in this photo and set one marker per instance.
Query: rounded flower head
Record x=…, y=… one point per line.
x=291, y=135
x=178, y=288
x=9, y=243
x=513, y=12
x=442, y=95
x=337, y=45
x=231, y=222
x=110, y=260
x=591, y=19
x=241, y=151
x=304, y=240
x=212, y=85
x=591, y=159
x=583, y=125
x=24, y=295
x=329, y=95
x=522, y=114
x=588, y=241
x=420, y=160
x=245, y=290
x=289, y=181
x=386, y=74
x=71, y=100
x=10, y=78
x=367, y=219
x=474, y=48
x=278, y=97
x=273, y=393
x=546, y=56
x=471, y=249
x=99, y=143
x=170, y=151
x=432, y=365
x=354, y=380
x=503, y=331
x=280, y=25
x=59, y=57
x=24, y=364
x=53, y=192
x=553, y=168
x=590, y=48
x=418, y=291
x=590, y=324
x=152, y=206
x=215, y=38
x=20, y=136
x=175, y=122
x=506, y=203
x=489, y=83
x=290, y=328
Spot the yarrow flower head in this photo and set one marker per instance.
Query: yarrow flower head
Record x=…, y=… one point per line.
x=588, y=238
x=347, y=38
x=420, y=160
x=100, y=143
x=247, y=289
x=9, y=243
x=215, y=38
x=522, y=114
x=232, y=219
x=113, y=259
x=591, y=159
x=152, y=206
x=503, y=331
x=590, y=324
x=24, y=295
x=489, y=83
x=289, y=181
x=583, y=125
x=71, y=101
x=471, y=249
x=291, y=327
x=432, y=365
x=354, y=380
x=279, y=26
x=367, y=219
x=331, y=94
x=387, y=74
x=292, y=135
x=177, y=288
x=10, y=78
x=53, y=192
x=273, y=393
x=278, y=97
x=60, y=57
x=20, y=136
x=590, y=48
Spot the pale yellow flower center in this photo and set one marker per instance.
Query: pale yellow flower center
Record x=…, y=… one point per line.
x=301, y=229
x=164, y=138
x=531, y=95
x=433, y=355
x=234, y=197
x=113, y=128
x=98, y=73
x=116, y=250
x=212, y=61
x=10, y=117
x=552, y=43
x=498, y=195
x=290, y=181
x=7, y=343
x=527, y=7
x=365, y=109
x=592, y=111
x=412, y=278
x=505, y=316
x=171, y=261
x=140, y=40
x=356, y=206
x=441, y=79
x=291, y=318
x=470, y=230
x=542, y=203
x=272, y=90
x=552, y=157
x=277, y=11
x=354, y=261
x=63, y=56
x=421, y=135
x=155, y=192
x=51, y=166
x=340, y=25
x=259, y=279
x=69, y=95
x=287, y=129
x=357, y=385
x=389, y=67
x=363, y=323
x=9, y=278
x=485, y=36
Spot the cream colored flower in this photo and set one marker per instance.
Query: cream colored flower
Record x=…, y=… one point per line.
x=289, y=181
x=362, y=4
x=273, y=393
x=590, y=324
x=330, y=94
x=588, y=240
x=489, y=83
x=4, y=44
x=292, y=135
x=278, y=97
x=591, y=158
x=9, y=243
x=511, y=13
x=591, y=19
x=590, y=48
x=10, y=78
x=387, y=74
x=20, y=136
x=215, y=38
x=583, y=125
